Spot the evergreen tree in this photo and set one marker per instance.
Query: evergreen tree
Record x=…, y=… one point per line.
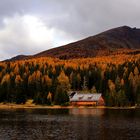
x=84, y=87
x=6, y=87
x=20, y=96
x=40, y=98
x=61, y=96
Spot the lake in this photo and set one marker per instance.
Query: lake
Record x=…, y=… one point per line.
x=70, y=124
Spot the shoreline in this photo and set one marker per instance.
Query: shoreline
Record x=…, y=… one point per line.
x=33, y=106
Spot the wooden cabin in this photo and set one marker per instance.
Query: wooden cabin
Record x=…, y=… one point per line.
x=87, y=99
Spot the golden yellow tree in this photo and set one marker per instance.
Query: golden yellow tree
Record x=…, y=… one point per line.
x=64, y=81
x=49, y=97
x=5, y=79
x=18, y=79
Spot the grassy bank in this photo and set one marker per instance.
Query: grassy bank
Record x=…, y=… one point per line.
x=30, y=104
x=34, y=106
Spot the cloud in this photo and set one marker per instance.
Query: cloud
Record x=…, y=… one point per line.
x=27, y=35
x=23, y=35
x=86, y=18
x=56, y=23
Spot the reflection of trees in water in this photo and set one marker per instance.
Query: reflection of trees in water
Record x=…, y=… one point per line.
x=16, y=124
x=121, y=113
x=73, y=124
x=87, y=123
x=87, y=111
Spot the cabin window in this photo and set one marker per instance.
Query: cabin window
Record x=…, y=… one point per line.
x=90, y=97
x=80, y=98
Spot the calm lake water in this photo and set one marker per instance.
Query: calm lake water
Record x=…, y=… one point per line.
x=69, y=124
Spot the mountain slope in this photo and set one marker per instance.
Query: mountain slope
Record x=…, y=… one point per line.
x=101, y=44
x=111, y=41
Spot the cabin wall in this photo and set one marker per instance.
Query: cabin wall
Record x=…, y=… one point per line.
x=101, y=102
x=79, y=103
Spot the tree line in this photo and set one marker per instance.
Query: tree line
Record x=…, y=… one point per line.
x=48, y=80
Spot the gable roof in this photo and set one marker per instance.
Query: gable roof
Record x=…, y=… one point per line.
x=85, y=97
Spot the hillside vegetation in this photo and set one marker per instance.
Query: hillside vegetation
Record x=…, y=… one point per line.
x=48, y=80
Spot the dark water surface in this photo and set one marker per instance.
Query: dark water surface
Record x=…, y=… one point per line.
x=69, y=124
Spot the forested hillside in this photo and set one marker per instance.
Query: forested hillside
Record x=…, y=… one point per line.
x=48, y=80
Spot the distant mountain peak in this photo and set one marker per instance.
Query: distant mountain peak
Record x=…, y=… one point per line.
x=105, y=43
x=125, y=27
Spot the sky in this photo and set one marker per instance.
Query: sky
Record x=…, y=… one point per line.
x=31, y=26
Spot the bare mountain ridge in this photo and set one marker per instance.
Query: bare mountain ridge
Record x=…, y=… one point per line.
x=109, y=42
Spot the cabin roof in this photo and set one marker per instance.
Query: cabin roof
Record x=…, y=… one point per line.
x=86, y=97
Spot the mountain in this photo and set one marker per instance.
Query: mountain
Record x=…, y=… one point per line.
x=19, y=57
x=118, y=40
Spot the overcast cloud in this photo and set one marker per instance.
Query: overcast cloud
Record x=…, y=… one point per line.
x=31, y=26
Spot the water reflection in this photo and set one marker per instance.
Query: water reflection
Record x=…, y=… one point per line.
x=71, y=124
x=87, y=111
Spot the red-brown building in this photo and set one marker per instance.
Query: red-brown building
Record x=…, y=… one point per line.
x=89, y=99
